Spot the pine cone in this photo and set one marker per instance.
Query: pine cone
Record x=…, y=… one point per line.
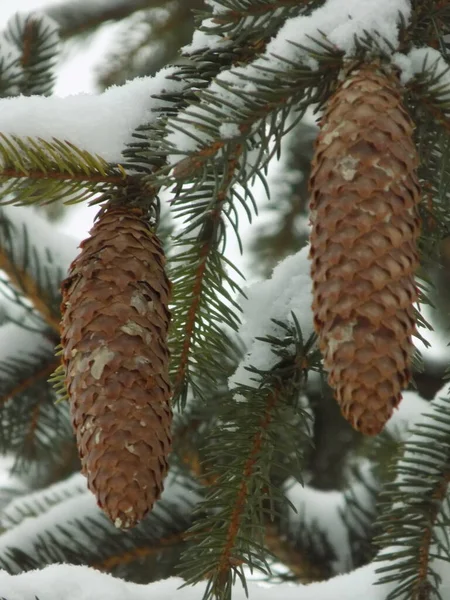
x=114, y=339
x=365, y=224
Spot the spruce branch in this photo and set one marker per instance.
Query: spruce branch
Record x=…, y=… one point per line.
x=37, y=41
x=428, y=25
x=75, y=18
x=147, y=153
x=242, y=9
x=36, y=171
x=129, y=556
x=20, y=277
x=88, y=538
x=243, y=449
x=259, y=116
x=34, y=271
x=198, y=343
x=414, y=509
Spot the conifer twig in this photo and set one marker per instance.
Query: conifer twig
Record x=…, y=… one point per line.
x=24, y=282
x=77, y=17
x=140, y=552
x=421, y=589
x=209, y=242
x=28, y=382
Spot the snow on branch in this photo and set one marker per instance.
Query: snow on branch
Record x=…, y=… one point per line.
x=100, y=124
x=298, y=43
x=287, y=291
x=82, y=583
x=35, y=258
x=64, y=521
x=39, y=502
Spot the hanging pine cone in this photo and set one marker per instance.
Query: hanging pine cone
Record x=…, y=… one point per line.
x=113, y=335
x=364, y=196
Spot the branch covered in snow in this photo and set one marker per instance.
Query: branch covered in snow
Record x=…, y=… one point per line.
x=287, y=291
x=82, y=583
x=101, y=124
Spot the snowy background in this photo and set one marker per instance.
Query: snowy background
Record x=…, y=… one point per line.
x=76, y=75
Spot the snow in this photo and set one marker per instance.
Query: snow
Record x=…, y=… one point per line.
x=83, y=583
x=288, y=290
x=202, y=39
x=341, y=24
x=409, y=411
x=322, y=510
x=101, y=124
x=359, y=18
x=51, y=248
x=329, y=513
x=17, y=343
x=53, y=515
x=419, y=60
x=37, y=503
x=229, y=131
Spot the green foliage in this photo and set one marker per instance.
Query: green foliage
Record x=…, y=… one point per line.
x=257, y=435
x=28, y=265
x=76, y=531
x=38, y=45
x=415, y=509
x=35, y=171
x=243, y=446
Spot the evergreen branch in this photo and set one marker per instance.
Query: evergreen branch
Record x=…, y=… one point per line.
x=30, y=381
x=43, y=172
x=428, y=25
x=244, y=9
x=242, y=452
x=10, y=69
x=193, y=313
x=240, y=20
x=138, y=553
x=88, y=537
x=147, y=153
x=36, y=39
x=22, y=279
x=227, y=562
x=32, y=427
x=30, y=267
x=38, y=503
x=196, y=133
x=75, y=18
x=411, y=508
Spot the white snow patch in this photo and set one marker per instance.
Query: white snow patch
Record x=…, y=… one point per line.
x=288, y=290
x=229, y=131
x=101, y=124
x=340, y=23
x=420, y=60
x=84, y=583
x=409, y=411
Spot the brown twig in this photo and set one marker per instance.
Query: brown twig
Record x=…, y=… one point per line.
x=227, y=561
x=209, y=244
x=23, y=281
x=78, y=17
x=26, y=383
x=128, y=556
x=13, y=173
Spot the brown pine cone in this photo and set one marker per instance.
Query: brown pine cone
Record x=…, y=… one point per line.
x=365, y=225
x=114, y=338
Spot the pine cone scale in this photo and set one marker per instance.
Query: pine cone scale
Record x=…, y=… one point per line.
x=115, y=322
x=364, y=195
